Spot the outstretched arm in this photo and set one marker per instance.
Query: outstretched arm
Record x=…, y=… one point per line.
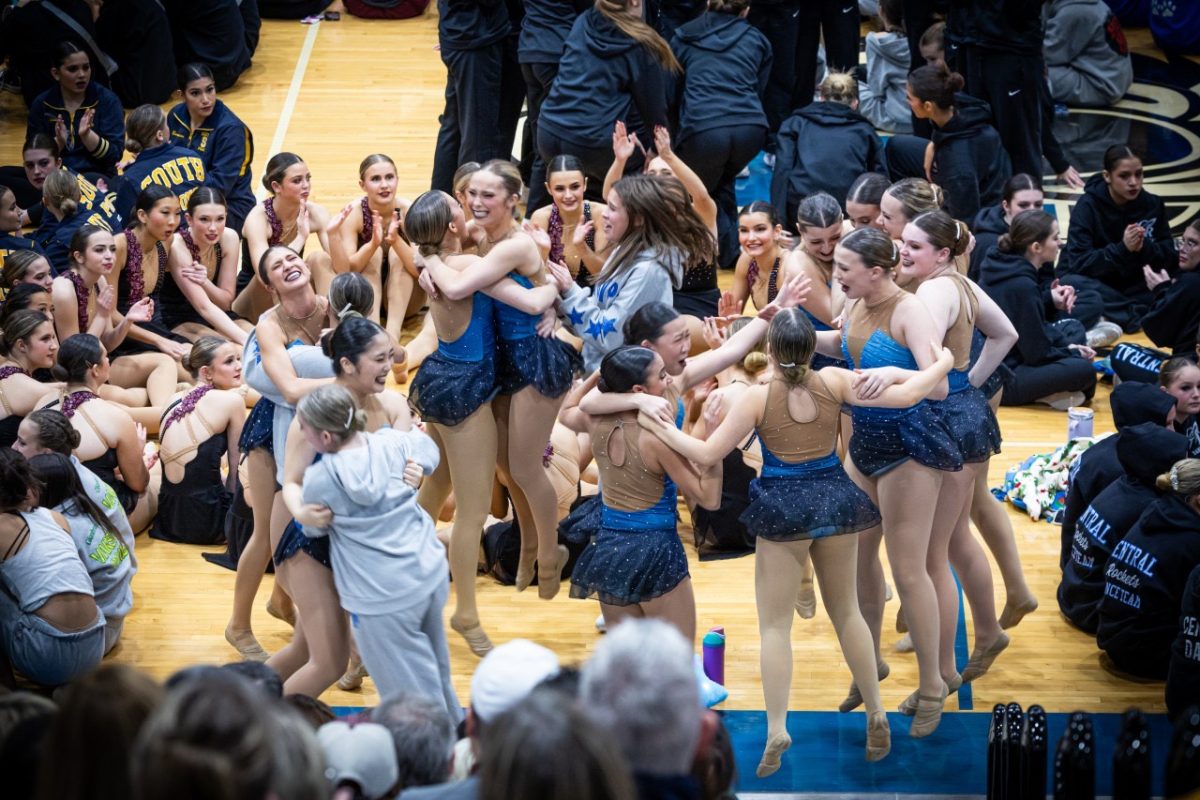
x=737, y=425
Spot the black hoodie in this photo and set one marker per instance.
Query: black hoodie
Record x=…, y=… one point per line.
x=1183, y=680
x=988, y=226
x=604, y=76
x=1145, y=451
x=1008, y=26
x=1174, y=318
x=1132, y=404
x=969, y=162
x=726, y=62
x=1014, y=284
x=1094, y=238
x=822, y=147
x=1143, y=589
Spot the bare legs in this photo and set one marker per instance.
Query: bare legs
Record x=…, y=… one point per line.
x=260, y=484
x=468, y=464
x=677, y=607
x=158, y=372
x=530, y=418
x=320, y=650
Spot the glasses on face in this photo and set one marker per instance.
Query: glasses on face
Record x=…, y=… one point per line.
x=1183, y=243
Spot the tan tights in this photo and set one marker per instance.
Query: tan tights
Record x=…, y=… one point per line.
x=778, y=570
x=252, y=564
x=468, y=465
x=524, y=422
x=320, y=649
x=677, y=607
x=907, y=496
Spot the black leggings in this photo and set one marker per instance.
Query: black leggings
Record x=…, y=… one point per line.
x=1124, y=308
x=1012, y=84
x=717, y=155
x=1133, y=362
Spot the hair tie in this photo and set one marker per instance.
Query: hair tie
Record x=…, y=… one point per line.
x=1175, y=478
x=788, y=365
x=349, y=417
x=342, y=313
x=895, y=249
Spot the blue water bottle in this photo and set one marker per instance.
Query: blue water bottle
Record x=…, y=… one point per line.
x=714, y=654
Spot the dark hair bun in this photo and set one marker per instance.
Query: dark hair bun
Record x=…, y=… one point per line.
x=955, y=82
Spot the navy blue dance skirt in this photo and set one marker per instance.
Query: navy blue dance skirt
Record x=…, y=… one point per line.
x=549, y=365
x=294, y=540
x=446, y=391
x=822, y=502
x=256, y=431
x=884, y=438
x=972, y=423
x=622, y=567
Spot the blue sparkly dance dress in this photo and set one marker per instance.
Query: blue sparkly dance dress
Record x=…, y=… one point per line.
x=804, y=492
x=637, y=554
x=526, y=359
x=884, y=438
x=460, y=376
x=965, y=411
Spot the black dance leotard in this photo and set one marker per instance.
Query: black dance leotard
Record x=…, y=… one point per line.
x=105, y=465
x=176, y=309
x=193, y=510
x=10, y=423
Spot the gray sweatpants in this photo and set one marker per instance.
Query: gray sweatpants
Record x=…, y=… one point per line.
x=407, y=651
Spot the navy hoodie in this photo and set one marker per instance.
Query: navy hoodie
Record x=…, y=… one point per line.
x=1143, y=588
x=226, y=147
x=472, y=24
x=726, y=62
x=1015, y=285
x=544, y=29
x=1174, y=318
x=1132, y=404
x=177, y=168
x=1183, y=678
x=108, y=122
x=969, y=161
x=604, y=76
x=1145, y=452
x=822, y=147
x=1094, y=238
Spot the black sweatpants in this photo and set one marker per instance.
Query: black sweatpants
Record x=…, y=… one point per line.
x=1028, y=383
x=470, y=122
x=1125, y=309
x=1012, y=84
x=717, y=156
x=538, y=78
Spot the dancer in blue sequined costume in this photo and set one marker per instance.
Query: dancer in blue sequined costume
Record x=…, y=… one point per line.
x=454, y=388
x=897, y=456
x=959, y=307
x=803, y=504
x=636, y=565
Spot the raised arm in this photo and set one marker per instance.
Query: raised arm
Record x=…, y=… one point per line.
x=737, y=425
x=624, y=144
x=702, y=201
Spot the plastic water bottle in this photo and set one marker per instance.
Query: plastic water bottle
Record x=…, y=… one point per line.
x=714, y=654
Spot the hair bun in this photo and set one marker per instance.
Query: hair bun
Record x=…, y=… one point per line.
x=955, y=82
x=1005, y=243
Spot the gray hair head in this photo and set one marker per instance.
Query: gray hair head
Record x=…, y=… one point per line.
x=424, y=736
x=641, y=685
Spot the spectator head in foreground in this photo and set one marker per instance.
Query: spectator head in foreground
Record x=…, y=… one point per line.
x=423, y=736
x=360, y=759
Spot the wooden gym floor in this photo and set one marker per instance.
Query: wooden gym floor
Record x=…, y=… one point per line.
x=338, y=91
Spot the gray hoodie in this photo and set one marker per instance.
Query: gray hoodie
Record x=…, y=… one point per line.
x=882, y=98
x=386, y=556
x=1087, y=59
x=597, y=316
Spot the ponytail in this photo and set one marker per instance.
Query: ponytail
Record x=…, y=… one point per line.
x=617, y=12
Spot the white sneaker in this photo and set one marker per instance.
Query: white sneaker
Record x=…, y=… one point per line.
x=1061, y=401
x=1104, y=334
x=601, y=627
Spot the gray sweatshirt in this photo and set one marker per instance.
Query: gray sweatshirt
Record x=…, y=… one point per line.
x=597, y=315
x=386, y=556
x=1084, y=60
x=882, y=98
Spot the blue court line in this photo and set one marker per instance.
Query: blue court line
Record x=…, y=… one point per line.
x=966, y=701
x=827, y=750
